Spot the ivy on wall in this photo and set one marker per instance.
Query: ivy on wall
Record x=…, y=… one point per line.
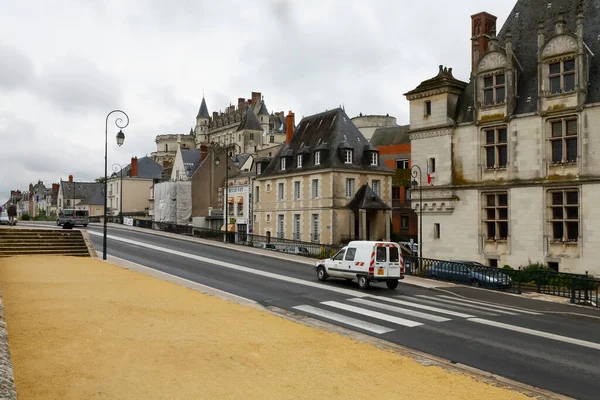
x=401, y=177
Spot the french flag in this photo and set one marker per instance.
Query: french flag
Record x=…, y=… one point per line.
x=428, y=175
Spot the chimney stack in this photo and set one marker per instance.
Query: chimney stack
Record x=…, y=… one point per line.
x=133, y=171
x=70, y=178
x=55, y=187
x=289, y=126
x=256, y=97
x=482, y=25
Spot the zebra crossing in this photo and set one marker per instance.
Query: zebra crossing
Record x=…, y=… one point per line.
x=368, y=313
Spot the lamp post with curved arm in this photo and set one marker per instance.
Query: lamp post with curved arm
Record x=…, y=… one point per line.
x=416, y=170
x=232, y=150
x=120, y=139
x=118, y=167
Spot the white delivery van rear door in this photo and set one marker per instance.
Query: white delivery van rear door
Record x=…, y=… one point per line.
x=387, y=261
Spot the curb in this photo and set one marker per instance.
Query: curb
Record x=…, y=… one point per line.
x=8, y=390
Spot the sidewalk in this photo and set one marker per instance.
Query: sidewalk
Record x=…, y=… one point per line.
x=86, y=329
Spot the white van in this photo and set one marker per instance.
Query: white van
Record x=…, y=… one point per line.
x=367, y=261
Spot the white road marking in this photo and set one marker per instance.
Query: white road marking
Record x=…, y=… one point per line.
x=241, y=268
x=502, y=307
x=209, y=288
x=478, y=313
x=344, y=319
x=423, y=307
x=372, y=314
x=465, y=305
x=533, y=332
x=399, y=310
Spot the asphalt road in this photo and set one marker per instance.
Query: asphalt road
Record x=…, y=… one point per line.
x=542, y=344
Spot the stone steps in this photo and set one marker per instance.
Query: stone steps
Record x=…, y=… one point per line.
x=14, y=242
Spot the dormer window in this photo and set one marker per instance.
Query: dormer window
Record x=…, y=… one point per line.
x=258, y=168
x=299, y=161
x=374, y=158
x=562, y=76
x=283, y=163
x=494, y=89
x=348, y=156
x=317, y=158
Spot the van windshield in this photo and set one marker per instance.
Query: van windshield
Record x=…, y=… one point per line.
x=394, y=257
x=81, y=213
x=67, y=213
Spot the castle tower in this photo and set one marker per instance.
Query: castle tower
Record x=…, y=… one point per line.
x=263, y=116
x=202, y=122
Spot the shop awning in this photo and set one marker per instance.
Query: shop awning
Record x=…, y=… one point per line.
x=231, y=228
x=240, y=199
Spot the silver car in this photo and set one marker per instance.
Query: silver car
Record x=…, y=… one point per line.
x=4, y=220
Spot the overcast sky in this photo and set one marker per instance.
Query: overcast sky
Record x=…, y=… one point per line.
x=64, y=64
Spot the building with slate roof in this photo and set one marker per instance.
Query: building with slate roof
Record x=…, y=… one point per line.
x=74, y=194
x=134, y=190
x=308, y=190
x=511, y=150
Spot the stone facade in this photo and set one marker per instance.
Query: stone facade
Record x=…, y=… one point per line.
x=513, y=166
x=368, y=124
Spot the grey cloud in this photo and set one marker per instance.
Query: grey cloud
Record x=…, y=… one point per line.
x=78, y=85
x=16, y=69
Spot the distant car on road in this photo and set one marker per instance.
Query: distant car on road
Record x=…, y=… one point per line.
x=71, y=217
x=299, y=250
x=469, y=272
x=4, y=220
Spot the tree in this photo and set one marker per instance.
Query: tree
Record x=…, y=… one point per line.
x=100, y=180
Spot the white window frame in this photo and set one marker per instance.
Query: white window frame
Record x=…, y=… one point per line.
x=297, y=190
x=317, y=157
x=281, y=226
x=347, y=156
x=374, y=158
x=376, y=186
x=404, y=162
x=315, y=227
x=281, y=191
x=282, y=163
x=349, y=187
x=258, y=168
x=297, y=227
x=299, y=160
x=315, y=189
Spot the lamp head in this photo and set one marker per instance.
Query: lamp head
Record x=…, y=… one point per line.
x=120, y=138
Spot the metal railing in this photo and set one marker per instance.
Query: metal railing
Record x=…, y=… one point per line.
x=580, y=289
x=298, y=247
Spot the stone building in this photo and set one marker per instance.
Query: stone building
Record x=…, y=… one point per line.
x=512, y=152
x=167, y=146
x=368, y=124
x=325, y=185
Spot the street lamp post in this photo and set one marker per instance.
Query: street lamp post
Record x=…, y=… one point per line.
x=120, y=139
x=235, y=150
x=120, y=168
x=416, y=170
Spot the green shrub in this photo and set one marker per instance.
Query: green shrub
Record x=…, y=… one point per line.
x=25, y=217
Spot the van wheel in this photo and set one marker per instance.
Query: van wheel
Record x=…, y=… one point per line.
x=363, y=282
x=392, y=284
x=321, y=274
x=85, y=225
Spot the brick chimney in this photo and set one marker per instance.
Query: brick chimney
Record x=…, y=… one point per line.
x=482, y=26
x=55, y=187
x=289, y=126
x=70, y=178
x=134, y=167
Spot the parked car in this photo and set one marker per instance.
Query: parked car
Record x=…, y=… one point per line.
x=4, y=220
x=267, y=246
x=469, y=272
x=366, y=261
x=298, y=250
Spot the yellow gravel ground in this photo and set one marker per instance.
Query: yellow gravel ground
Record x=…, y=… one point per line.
x=84, y=329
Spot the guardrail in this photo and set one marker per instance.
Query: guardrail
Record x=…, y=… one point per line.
x=580, y=289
